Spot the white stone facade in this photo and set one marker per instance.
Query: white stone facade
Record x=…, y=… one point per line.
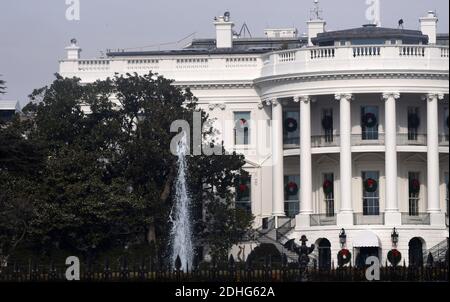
x=393, y=79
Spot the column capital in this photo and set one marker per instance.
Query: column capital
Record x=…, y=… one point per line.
x=387, y=95
x=304, y=99
x=267, y=102
x=344, y=96
x=275, y=102
x=433, y=95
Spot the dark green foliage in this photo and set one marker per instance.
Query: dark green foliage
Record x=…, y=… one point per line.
x=84, y=174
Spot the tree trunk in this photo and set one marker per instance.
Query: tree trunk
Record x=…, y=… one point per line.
x=164, y=196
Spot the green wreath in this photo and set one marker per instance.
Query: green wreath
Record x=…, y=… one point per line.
x=369, y=120
x=292, y=188
x=414, y=186
x=394, y=256
x=370, y=185
x=290, y=124
x=344, y=256
x=327, y=187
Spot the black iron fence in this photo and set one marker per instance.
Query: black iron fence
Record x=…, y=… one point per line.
x=227, y=272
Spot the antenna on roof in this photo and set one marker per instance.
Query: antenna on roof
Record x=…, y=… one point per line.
x=400, y=23
x=316, y=11
x=244, y=31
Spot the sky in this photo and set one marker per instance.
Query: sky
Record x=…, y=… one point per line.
x=33, y=34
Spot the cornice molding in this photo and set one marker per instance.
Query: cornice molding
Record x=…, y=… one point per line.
x=352, y=76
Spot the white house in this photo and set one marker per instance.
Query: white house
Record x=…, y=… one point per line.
x=342, y=130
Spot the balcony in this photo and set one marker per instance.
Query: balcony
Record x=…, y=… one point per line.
x=319, y=141
x=361, y=219
x=443, y=140
x=337, y=59
x=419, y=219
x=322, y=220
x=370, y=139
x=405, y=139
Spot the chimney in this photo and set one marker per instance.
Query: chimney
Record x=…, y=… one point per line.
x=315, y=27
x=428, y=26
x=224, y=31
x=73, y=51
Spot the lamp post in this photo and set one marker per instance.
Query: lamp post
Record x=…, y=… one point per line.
x=394, y=237
x=342, y=237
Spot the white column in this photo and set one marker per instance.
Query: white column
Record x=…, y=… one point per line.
x=345, y=215
x=305, y=156
x=434, y=207
x=303, y=219
x=277, y=160
x=392, y=214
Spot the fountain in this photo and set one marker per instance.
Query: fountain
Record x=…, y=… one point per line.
x=181, y=233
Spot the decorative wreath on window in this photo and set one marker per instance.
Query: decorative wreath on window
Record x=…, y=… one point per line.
x=327, y=122
x=327, y=186
x=292, y=188
x=413, y=120
x=370, y=185
x=369, y=120
x=344, y=256
x=290, y=124
x=243, y=188
x=243, y=122
x=394, y=256
x=414, y=186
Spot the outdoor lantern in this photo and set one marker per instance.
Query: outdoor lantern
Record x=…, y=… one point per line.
x=342, y=237
x=394, y=236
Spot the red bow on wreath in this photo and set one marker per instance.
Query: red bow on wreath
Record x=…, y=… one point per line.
x=414, y=186
x=370, y=185
x=292, y=188
x=327, y=186
x=243, y=121
x=243, y=188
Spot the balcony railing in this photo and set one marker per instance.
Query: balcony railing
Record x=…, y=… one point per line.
x=325, y=141
x=443, y=140
x=419, y=219
x=372, y=139
x=322, y=219
x=353, y=58
x=361, y=219
x=405, y=139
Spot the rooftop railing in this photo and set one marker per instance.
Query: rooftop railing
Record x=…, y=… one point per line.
x=360, y=57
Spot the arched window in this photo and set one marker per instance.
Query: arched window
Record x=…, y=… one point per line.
x=324, y=254
x=416, y=252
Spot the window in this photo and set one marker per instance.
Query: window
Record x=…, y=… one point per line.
x=242, y=128
x=291, y=195
x=244, y=193
x=371, y=193
x=327, y=124
x=369, y=122
x=413, y=123
x=328, y=191
x=291, y=127
x=414, y=189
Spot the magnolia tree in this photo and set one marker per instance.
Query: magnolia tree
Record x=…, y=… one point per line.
x=103, y=172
